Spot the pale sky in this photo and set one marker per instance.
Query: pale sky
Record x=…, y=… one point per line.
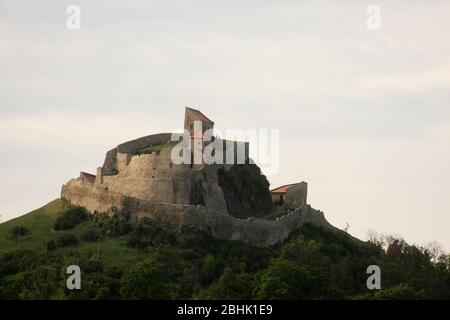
x=364, y=115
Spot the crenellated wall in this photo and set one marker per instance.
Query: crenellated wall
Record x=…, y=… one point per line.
x=131, y=147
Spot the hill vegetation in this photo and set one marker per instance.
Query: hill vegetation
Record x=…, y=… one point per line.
x=246, y=191
x=150, y=259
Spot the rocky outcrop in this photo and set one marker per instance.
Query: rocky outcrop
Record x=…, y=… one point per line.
x=246, y=190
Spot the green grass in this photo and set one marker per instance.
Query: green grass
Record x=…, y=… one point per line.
x=39, y=224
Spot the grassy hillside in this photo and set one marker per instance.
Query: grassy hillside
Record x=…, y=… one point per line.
x=39, y=224
x=151, y=259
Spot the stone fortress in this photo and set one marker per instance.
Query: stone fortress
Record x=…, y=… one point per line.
x=139, y=177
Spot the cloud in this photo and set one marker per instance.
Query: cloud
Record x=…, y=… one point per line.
x=440, y=130
x=435, y=77
x=88, y=131
x=393, y=185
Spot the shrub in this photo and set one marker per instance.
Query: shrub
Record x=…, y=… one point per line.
x=18, y=231
x=90, y=235
x=116, y=225
x=14, y=261
x=113, y=225
x=151, y=232
x=66, y=240
x=51, y=245
x=70, y=218
x=246, y=191
x=146, y=280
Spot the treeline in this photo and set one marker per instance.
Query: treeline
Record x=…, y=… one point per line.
x=190, y=264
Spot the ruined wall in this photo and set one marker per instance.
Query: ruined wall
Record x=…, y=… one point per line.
x=109, y=165
x=296, y=196
x=130, y=147
x=150, y=177
x=258, y=232
x=210, y=218
x=89, y=196
x=153, y=178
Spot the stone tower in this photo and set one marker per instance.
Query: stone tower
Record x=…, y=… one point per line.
x=197, y=124
x=192, y=115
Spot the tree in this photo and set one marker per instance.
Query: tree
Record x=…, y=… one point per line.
x=399, y=292
x=66, y=240
x=70, y=218
x=434, y=250
x=208, y=269
x=230, y=285
x=146, y=280
x=284, y=279
x=18, y=231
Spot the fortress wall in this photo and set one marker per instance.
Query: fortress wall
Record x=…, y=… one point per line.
x=258, y=232
x=99, y=176
x=150, y=177
x=296, y=196
x=88, y=196
x=109, y=165
x=173, y=213
x=137, y=144
x=122, y=160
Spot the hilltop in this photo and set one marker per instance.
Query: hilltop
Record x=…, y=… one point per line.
x=145, y=227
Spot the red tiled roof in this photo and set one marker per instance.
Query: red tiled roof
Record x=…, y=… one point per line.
x=89, y=177
x=282, y=189
x=200, y=115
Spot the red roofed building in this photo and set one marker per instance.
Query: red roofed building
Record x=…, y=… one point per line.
x=87, y=177
x=279, y=194
x=192, y=115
